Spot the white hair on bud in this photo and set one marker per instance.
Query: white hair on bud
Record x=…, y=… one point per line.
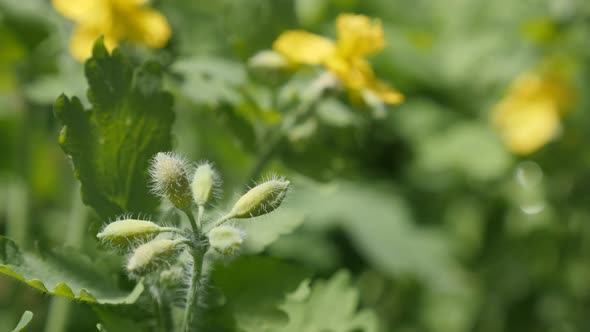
x=226, y=239
x=261, y=199
x=169, y=177
x=165, y=170
x=151, y=255
x=205, y=183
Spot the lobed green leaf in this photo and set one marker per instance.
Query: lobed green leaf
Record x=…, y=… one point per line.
x=111, y=144
x=327, y=306
x=64, y=274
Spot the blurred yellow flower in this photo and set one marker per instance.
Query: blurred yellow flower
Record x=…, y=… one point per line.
x=358, y=37
x=528, y=116
x=116, y=20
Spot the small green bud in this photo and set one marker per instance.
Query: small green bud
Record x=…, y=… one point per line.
x=269, y=60
x=127, y=231
x=225, y=239
x=204, y=181
x=169, y=177
x=150, y=255
x=173, y=276
x=260, y=200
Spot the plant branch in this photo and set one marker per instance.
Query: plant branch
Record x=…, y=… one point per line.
x=200, y=273
x=277, y=136
x=191, y=218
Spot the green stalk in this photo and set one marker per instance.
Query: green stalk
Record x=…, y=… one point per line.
x=17, y=204
x=198, y=277
x=194, y=224
x=273, y=143
x=59, y=308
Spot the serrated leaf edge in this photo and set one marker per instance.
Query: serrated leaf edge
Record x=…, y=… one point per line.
x=62, y=289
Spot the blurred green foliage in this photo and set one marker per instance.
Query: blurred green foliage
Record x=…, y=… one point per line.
x=419, y=220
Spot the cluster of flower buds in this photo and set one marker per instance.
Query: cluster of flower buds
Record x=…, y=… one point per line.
x=187, y=187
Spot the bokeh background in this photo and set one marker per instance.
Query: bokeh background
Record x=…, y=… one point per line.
x=443, y=226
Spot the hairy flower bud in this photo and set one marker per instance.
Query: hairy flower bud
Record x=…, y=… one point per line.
x=169, y=178
x=172, y=277
x=225, y=239
x=203, y=183
x=150, y=255
x=262, y=199
x=127, y=231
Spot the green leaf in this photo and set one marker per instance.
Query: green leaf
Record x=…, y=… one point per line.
x=24, y=321
x=253, y=288
x=453, y=150
x=118, y=318
x=264, y=231
x=384, y=233
x=111, y=144
x=64, y=274
x=327, y=306
x=209, y=81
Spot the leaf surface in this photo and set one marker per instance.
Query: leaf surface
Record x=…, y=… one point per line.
x=111, y=144
x=327, y=306
x=64, y=274
x=252, y=288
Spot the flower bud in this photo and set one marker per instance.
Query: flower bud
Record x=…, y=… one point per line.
x=225, y=239
x=172, y=277
x=129, y=230
x=169, y=177
x=203, y=182
x=150, y=255
x=262, y=199
x=269, y=60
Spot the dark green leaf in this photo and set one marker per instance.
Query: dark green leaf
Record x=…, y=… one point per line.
x=111, y=144
x=63, y=274
x=383, y=233
x=253, y=288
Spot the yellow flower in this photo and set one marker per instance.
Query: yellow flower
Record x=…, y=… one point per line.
x=358, y=37
x=528, y=116
x=116, y=20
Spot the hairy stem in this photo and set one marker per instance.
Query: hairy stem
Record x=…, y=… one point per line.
x=194, y=223
x=199, y=275
x=278, y=134
x=200, y=214
x=221, y=221
x=201, y=269
x=162, y=310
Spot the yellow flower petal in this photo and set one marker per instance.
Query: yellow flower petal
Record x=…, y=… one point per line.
x=79, y=10
x=355, y=74
x=128, y=3
x=387, y=94
x=526, y=127
x=303, y=47
x=358, y=35
x=83, y=40
x=150, y=27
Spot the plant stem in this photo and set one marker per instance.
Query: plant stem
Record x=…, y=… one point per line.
x=194, y=223
x=17, y=205
x=162, y=310
x=221, y=220
x=201, y=268
x=200, y=273
x=278, y=135
x=59, y=309
x=200, y=214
